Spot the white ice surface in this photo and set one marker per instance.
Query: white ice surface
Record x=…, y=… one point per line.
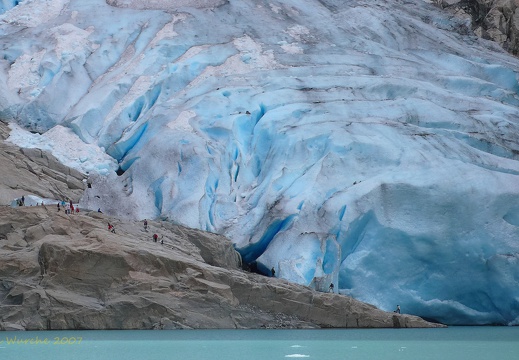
x=67, y=147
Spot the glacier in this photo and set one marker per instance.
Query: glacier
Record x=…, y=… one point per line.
x=369, y=144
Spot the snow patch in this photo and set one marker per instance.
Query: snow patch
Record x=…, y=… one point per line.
x=167, y=32
x=67, y=147
x=32, y=13
x=24, y=72
x=182, y=121
x=298, y=32
x=275, y=8
x=258, y=58
x=292, y=48
x=71, y=41
x=251, y=58
x=31, y=72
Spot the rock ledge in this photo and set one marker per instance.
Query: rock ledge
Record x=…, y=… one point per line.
x=69, y=272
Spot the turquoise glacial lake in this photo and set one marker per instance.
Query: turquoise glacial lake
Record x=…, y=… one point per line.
x=500, y=343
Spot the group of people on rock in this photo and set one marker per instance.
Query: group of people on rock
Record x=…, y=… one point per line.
x=155, y=236
x=69, y=207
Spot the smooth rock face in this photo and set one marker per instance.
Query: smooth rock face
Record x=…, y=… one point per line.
x=69, y=272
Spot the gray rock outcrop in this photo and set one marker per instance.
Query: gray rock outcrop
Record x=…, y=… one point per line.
x=496, y=20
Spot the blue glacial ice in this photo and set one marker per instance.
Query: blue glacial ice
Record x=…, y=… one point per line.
x=372, y=145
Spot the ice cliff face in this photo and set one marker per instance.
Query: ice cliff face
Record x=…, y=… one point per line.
x=373, y=145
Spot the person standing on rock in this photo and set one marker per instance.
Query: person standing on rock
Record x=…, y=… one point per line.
x=273, y=272
x=59, y=207
x=330, y=288
x=155, y=237
x=23, y=200
x=145, y=225
x=397, y=309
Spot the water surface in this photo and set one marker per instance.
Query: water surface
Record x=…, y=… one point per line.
x=452, y=343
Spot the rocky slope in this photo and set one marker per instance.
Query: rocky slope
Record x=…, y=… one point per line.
x=69, y=272
x=63, y=271
x=497, y=20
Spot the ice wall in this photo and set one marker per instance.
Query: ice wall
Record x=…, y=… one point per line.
x=7, y=5
x=370, y=145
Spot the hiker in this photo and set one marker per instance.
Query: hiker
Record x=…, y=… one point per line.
x=99, y=210
x=59, y=208
x=23, y=200
x=397, y=309
x=330, y=288
x=72, y=209
x=155, y=237
x=77, y=209
x=111, y=228
x=273, y=272
x=161, y=240
x=145, y=225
